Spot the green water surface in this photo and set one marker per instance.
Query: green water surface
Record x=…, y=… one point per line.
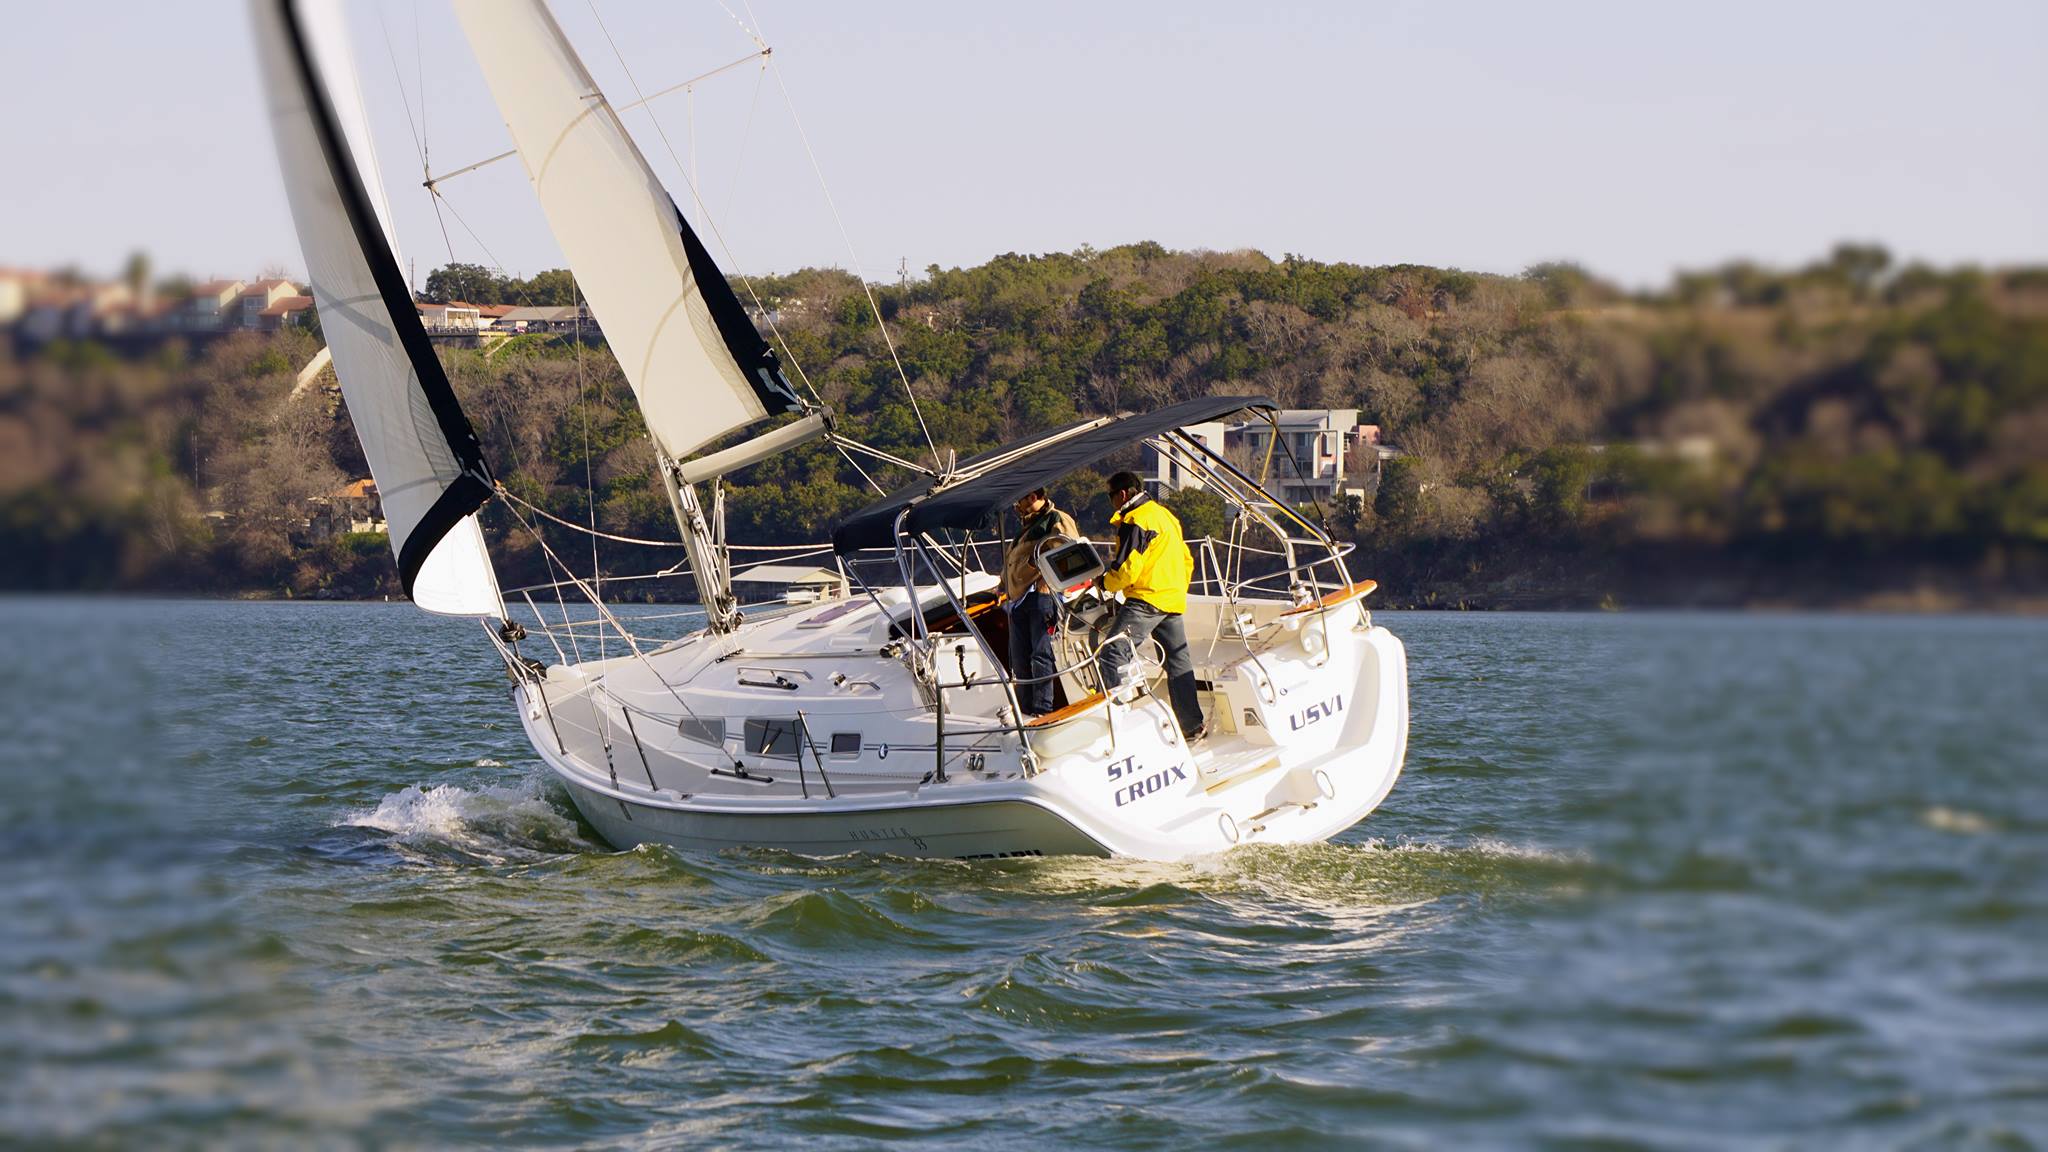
x=288, y=875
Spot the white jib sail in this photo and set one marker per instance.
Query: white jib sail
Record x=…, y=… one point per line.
x=696, y=365
x=422, y=452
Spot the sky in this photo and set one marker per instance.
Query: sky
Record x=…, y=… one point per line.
x=1636, y=139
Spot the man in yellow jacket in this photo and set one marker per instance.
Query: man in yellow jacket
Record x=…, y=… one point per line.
x=1151, y=568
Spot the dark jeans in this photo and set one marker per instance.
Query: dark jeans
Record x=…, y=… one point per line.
x=1138, y=620
x=1032, y=620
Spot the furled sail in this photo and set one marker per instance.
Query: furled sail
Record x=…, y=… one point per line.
x=429, y=468
x=693, y=358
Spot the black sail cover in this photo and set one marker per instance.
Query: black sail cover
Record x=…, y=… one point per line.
x=969, y=503
x=429, y=468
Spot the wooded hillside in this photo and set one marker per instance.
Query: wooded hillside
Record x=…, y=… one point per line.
x=1827, y=434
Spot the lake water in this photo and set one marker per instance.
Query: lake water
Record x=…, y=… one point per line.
x=279, y=874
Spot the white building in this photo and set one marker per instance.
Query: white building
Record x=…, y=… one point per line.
x=16, y=288
x=210, y=307
x=257, y=299
x=792, y=583
x=1322, y=453
x=1163, y=474
x=454, y=316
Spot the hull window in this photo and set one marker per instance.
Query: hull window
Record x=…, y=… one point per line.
x=702, y=731
x=772, y=738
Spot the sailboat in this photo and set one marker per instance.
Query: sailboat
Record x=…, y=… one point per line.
x=884, y=720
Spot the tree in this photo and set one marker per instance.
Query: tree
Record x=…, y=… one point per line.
x=469, y=283
x=554, y=288
x=1398, y=504
x=135, y=273
x=1562, y=476
x=1861, y=264
x=1201, y=513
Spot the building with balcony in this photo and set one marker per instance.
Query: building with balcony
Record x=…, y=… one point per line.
x=211, y=306
x=1322, y=453
x=257, y=299
x=1163, y=474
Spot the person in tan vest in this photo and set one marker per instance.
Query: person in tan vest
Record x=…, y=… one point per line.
x=1034, y=611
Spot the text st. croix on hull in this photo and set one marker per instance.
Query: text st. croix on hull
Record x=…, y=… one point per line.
x=885, y=719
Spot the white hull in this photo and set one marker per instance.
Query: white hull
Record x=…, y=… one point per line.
x=1113, y=779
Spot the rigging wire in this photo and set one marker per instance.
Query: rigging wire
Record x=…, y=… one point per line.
x=488, y=254
x=796, y=551
x=589, y=484
x=739, y=162
x=419, y=128
x=613, y=620
x=704, y=213
x=852, y=254
x=575, y=527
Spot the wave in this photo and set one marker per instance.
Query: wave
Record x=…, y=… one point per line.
x=494, y=823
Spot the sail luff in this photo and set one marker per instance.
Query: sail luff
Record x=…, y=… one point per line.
x=693, y=358
x=423, y=454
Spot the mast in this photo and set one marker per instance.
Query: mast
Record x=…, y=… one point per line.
x=696, y=364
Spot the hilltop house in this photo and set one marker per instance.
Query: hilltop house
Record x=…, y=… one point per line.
x=1322, y=453
x=290, y=310
x=553, y=318
x=454, y=316
x=208, y=308
x=258, y=297
x=17, y=286
x=1163, y=474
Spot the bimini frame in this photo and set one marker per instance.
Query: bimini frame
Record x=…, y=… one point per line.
x=1251, y=504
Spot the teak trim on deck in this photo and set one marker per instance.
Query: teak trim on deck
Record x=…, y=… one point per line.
x=1069, y=712
x=1362, y=588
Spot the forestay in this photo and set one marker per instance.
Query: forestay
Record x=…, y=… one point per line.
x=429, y=468
x=692, y=356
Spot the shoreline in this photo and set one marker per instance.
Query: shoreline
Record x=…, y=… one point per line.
x=1926, y=602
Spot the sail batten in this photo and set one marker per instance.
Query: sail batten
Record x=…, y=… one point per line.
x=696, y=364
x=423, y=453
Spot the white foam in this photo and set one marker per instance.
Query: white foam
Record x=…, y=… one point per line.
x=1956, y=820
x=1485, y=846
x=492, y=819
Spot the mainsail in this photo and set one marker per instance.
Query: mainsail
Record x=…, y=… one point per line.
x=692, y=356
x=429, y=468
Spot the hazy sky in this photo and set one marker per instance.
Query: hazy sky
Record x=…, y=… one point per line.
x=1633, y=137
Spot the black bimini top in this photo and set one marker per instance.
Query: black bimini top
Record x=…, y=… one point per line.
x=967, y=503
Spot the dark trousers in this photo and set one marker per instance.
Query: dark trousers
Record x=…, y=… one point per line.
x=1032, y=621
x=1138, y=620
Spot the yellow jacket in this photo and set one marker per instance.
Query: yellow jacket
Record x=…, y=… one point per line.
x=1152, y=560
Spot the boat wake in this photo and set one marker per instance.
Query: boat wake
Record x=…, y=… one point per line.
x=492, y=824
